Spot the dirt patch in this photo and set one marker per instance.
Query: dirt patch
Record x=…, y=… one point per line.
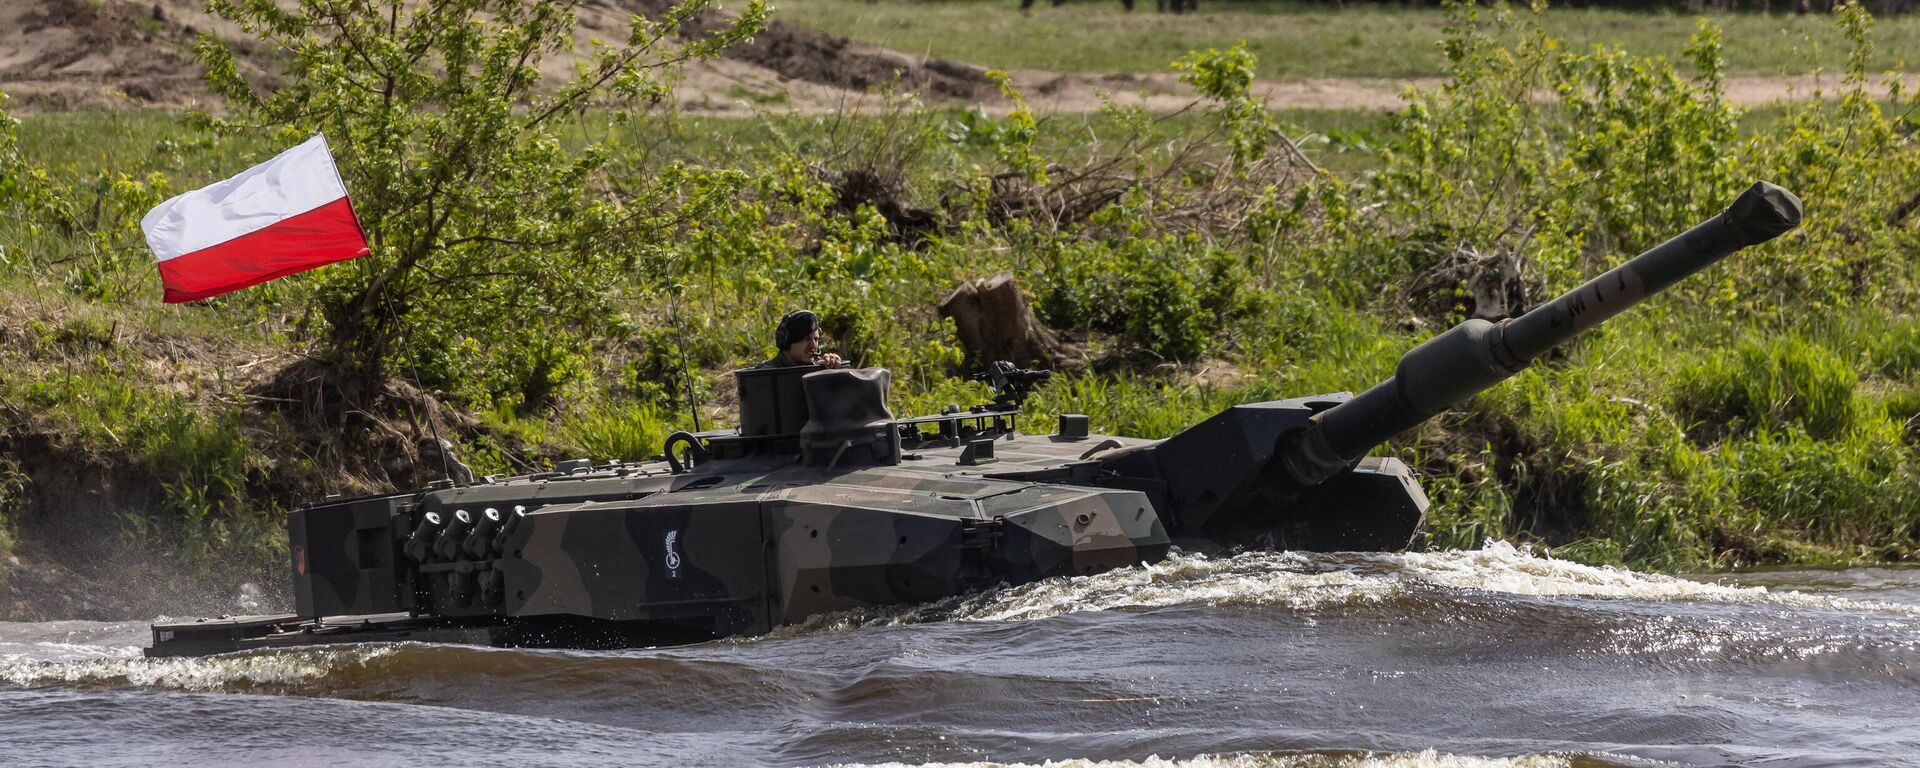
x=90, y=54
x=1068, y=93
x=812, y=56
x=77, y=54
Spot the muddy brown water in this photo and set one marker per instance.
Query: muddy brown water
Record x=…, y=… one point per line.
x=1495, y=657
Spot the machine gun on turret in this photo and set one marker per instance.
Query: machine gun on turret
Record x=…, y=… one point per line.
x=1011, y=384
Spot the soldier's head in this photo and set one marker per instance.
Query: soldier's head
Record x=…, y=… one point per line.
x=798, y=336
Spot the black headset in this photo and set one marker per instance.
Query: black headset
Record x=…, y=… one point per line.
x=797, y=325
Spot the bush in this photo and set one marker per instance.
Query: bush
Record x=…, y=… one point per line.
x=1163, y=317
x=480, y=209
x=658, y=371
x=862, y=329
x=14, y=170
x=1167, y=298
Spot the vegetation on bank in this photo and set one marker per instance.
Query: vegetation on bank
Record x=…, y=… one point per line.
x=1297, y=39
x=1767, y=411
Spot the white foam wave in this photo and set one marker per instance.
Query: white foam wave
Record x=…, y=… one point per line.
x=1499, y=566
x=1427, y=759
x=125, y=667
x=1258, y=578
x=1255, y=578
x=1308, y=582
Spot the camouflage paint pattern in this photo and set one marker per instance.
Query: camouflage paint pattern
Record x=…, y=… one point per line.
x=736, y=546
x=788, y=545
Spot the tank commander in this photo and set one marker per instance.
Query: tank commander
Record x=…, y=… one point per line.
x=797, y=340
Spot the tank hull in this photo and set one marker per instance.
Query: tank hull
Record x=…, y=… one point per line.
x=637, y=554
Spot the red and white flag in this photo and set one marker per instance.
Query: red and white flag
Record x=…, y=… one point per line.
x=286, y=215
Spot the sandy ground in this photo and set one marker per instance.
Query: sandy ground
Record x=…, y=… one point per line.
x=89, y=54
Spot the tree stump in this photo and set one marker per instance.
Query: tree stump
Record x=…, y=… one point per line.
x=994, y=322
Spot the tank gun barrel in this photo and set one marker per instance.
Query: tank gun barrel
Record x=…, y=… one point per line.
x=1475, y=355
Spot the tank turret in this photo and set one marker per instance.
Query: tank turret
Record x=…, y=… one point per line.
x=822, y=500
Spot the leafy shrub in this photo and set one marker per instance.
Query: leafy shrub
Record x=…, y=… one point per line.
x=1169, y=298
x=658, y=371
x=1629, y=153
x=527, y=373
x=1227, y=79
x=550, y=364
x=862, y=329
x=1163, y=316
x=1768, y=385
x=1851, y=164
x=473, y=197
x=15, y=172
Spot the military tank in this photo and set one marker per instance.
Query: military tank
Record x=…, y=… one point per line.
x=822, y=500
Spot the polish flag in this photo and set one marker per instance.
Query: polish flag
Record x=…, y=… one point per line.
x=286, y=215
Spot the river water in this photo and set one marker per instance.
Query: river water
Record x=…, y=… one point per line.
x=1494, y=657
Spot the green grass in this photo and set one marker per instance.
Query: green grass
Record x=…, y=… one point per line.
x=1305, y=40
x=136, y=141
x=1335, y=139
